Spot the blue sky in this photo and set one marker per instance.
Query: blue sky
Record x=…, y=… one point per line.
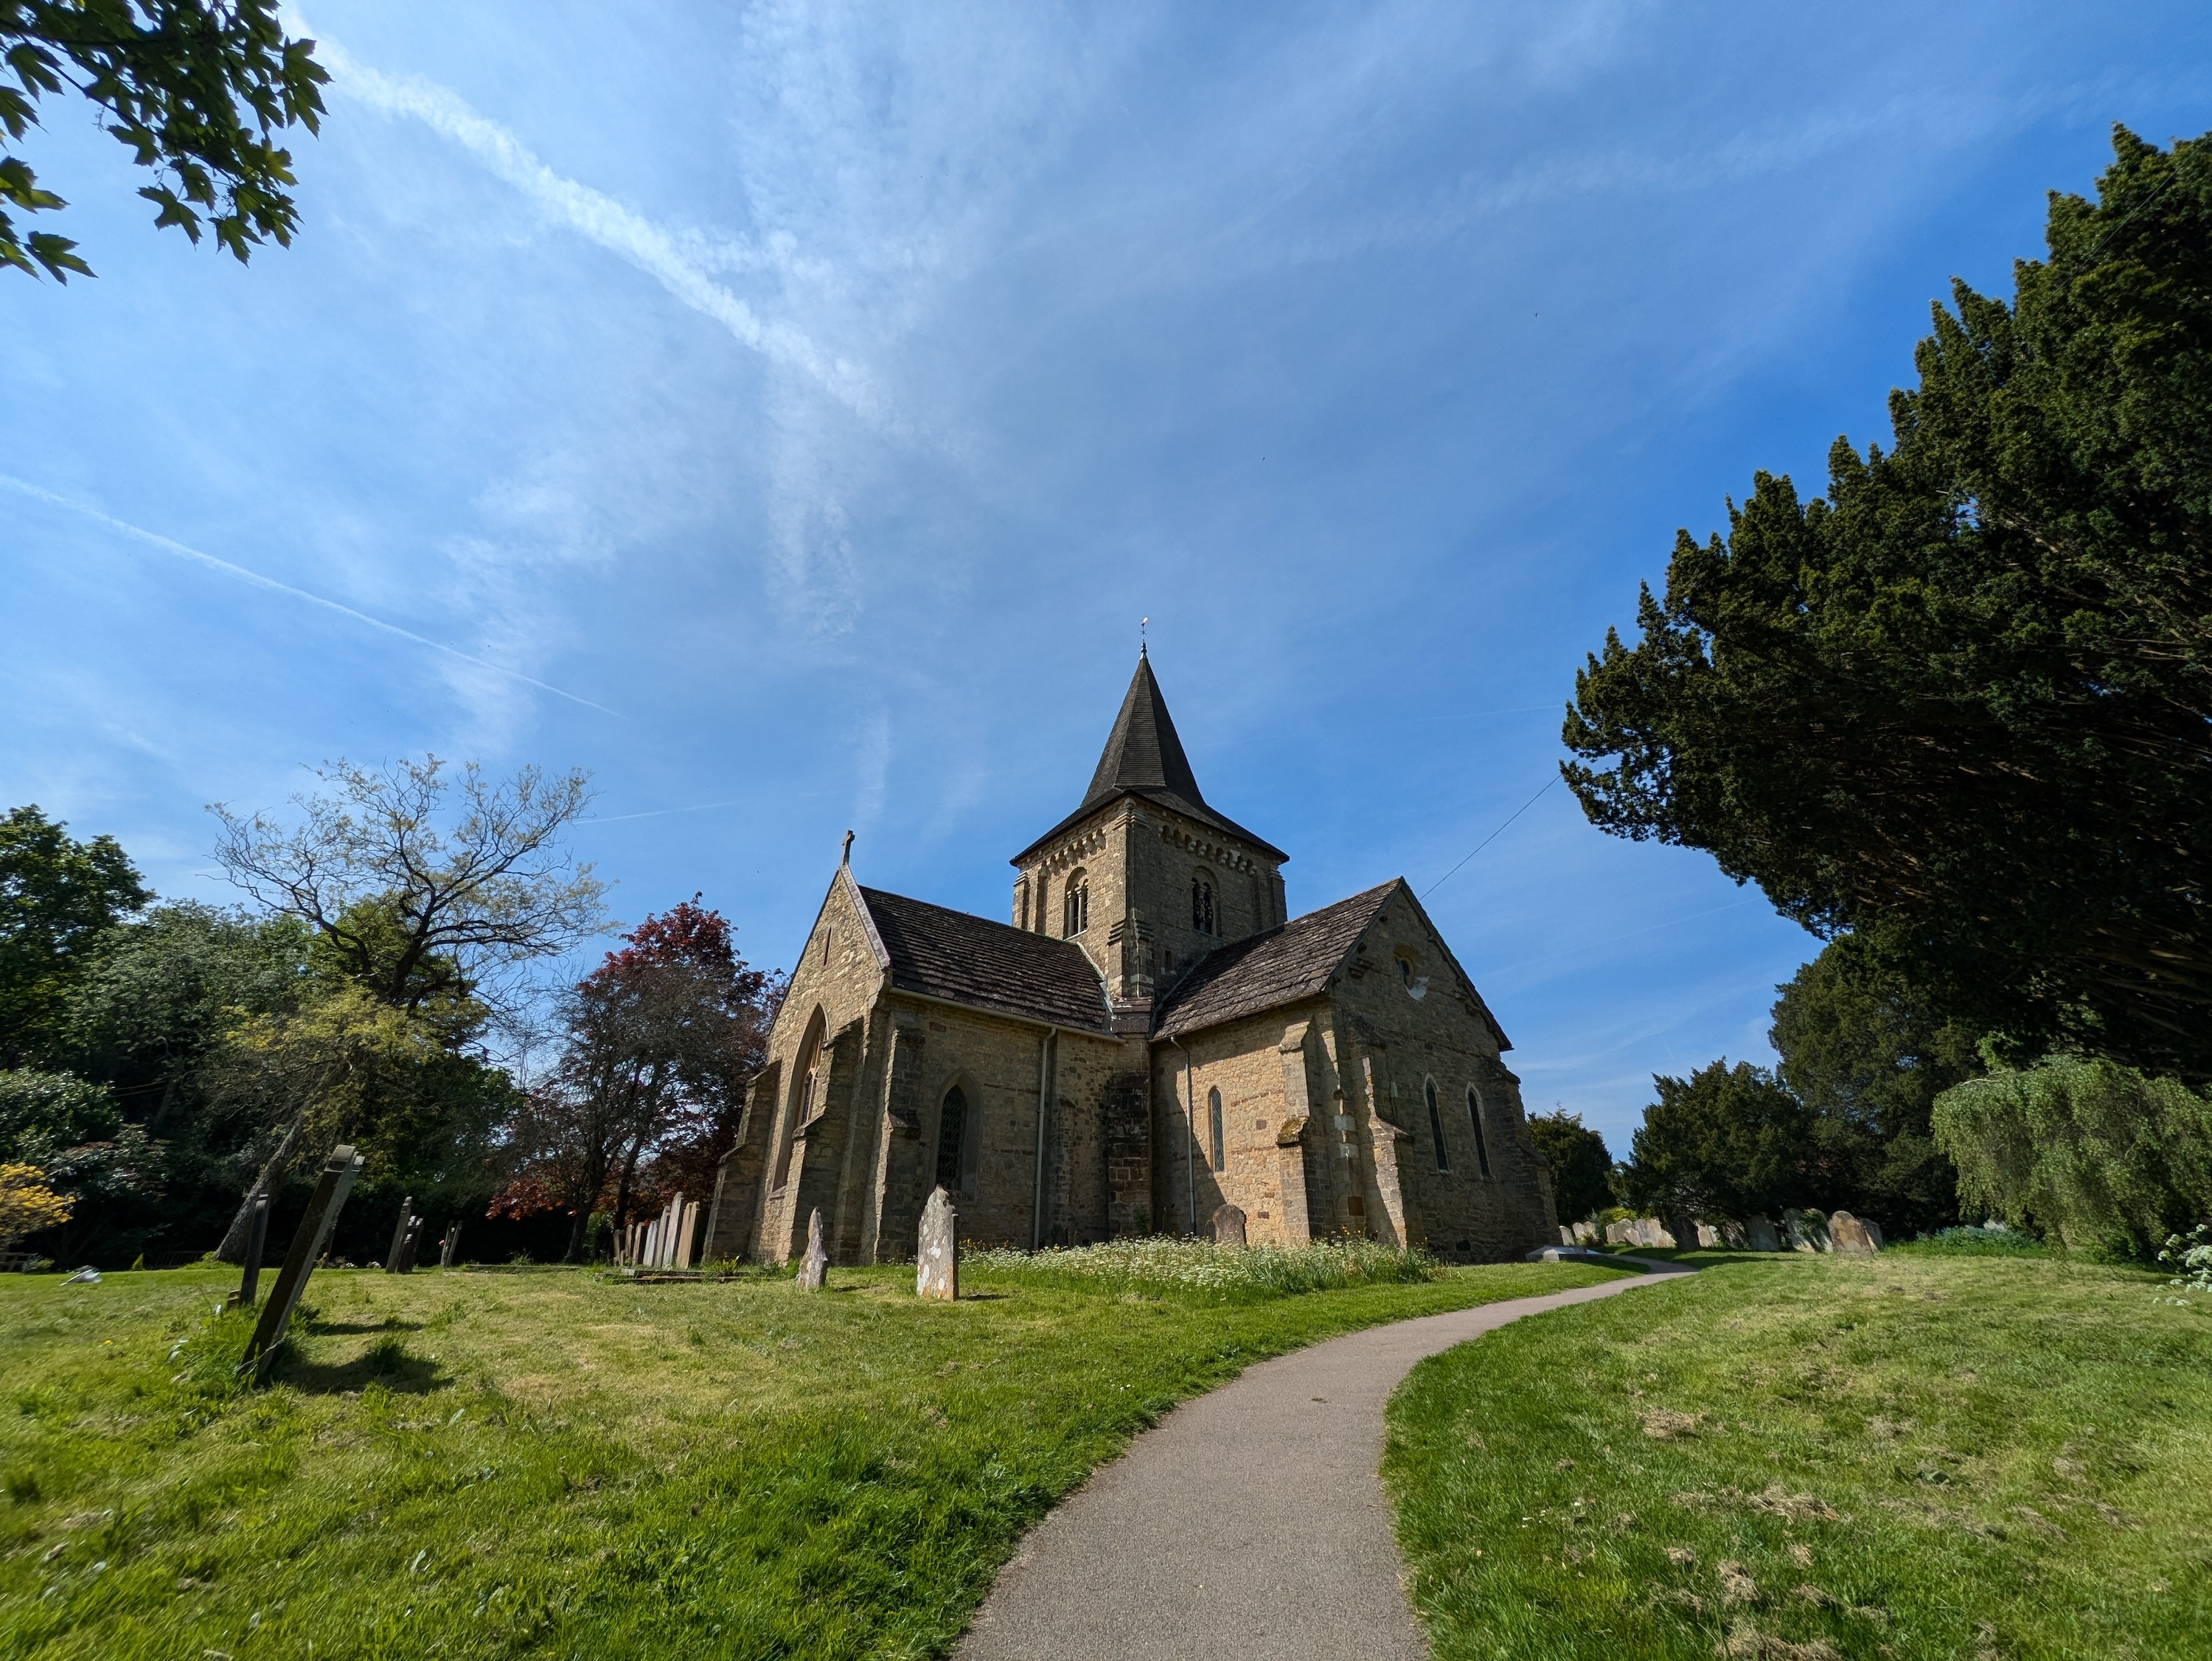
x=786, y=413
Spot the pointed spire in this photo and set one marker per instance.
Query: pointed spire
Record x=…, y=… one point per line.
x=1142, y=752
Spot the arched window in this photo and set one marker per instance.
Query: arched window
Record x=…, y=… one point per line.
x=1405, y=970
x=951, y=1138
x=1076, y=907
x=1201, y=904
x=1474, y=1118
x=806, y=1082
x=1436, y=1128
x=1213, y=1123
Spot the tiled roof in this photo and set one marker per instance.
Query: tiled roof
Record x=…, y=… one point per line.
x=963, y=959
x=1267, y=971
x=1144, y=757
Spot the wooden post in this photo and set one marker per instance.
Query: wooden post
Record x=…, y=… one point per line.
x=331, y=1190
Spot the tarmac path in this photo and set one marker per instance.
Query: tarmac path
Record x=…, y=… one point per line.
x=1248, y=1523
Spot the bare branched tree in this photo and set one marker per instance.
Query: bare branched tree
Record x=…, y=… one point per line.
x=416, y=879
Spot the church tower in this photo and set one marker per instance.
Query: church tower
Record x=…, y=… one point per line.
x=1143, y=876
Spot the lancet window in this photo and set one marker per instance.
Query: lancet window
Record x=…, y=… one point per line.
x=1076, y=909
x=1213, y=1123
x=951, y=1138
x=1436, y=1128
x=1201, y=904
x=1474, y=1118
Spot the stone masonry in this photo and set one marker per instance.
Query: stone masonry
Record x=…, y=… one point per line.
x=1169, y=1043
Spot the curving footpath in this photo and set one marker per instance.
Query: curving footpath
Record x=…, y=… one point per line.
x=1250, y=1522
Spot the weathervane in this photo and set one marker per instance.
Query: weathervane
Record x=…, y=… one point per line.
x=1141, y=623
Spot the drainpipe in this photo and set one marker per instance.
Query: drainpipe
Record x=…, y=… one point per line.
x=1044, y=1088
x=1190, y=1143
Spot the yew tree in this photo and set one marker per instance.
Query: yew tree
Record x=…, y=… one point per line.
x=1961, y=706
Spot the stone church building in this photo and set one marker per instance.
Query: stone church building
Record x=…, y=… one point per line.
x=1148, y=1037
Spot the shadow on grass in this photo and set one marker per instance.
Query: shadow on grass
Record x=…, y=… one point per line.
x=354, y=1329
x=384, y=1363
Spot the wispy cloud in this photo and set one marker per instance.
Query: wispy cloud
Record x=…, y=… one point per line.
x=224, y=567
x=681, y=262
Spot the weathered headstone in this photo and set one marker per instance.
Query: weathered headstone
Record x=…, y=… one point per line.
x=687, y=1235
x=1758, y=1232
x=937, y=1260
x=399, y=1234
x=815, y=1270
x=411, y=1246
x=448, y=1245
x=257, y=1242
x=1850, y=1238
x=1229, y=1226
x=314, y=1233
x=1807, y=1231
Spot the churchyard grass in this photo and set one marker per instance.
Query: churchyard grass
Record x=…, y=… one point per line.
x=1933, y=1453
x=555, y=1464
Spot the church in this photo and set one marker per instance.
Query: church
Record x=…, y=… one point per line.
x=1147, y=1038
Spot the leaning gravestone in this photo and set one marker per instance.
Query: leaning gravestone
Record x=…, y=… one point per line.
x=1807, y=1231
x=314, y=1233
x=1229, y=1227
x=257, y=1242
x=815, y=1268
x=1758, y=1232
x=447, y=1248
x=399, y=1234
x=1850, y=1238
x=937, y=1263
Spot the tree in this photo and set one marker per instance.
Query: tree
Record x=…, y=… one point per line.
x=1581, y=1168
x=2088, y=1150
x=1868, y=1057
x=1720, y=1145
x=1959, y=707
x=28, y=1204
x=195, y=89
x=57, y=897
x=412, y=893
x=660, y=1040
x=73, y=1133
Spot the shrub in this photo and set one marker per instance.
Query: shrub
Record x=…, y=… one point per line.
x=2191, y=1253
x=1158, y=1266
x=2090, y=1152
x=1971, y=1242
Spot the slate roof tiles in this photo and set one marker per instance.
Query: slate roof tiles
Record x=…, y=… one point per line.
x=964, y=959
x=1267, y=971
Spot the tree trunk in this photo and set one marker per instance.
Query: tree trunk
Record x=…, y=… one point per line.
x=233, y=1249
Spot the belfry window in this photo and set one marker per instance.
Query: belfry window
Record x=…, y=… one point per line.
x=1213, y=1123
x=1474, y=1118
x=1077, y=908
x=1201, y=904
x=951, y=1138
x=1436, y=1128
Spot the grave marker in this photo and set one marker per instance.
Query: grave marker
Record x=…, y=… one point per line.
x=1850, y=1238
x=314, y=1233
x=1229, y=1227
x=399, y=1234
x=815, y=1270
x=256, y=1242
x=937, y=1263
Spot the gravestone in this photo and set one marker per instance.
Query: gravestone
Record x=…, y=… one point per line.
x=314, y=1233
x=410, y=1246
x=1758, y=1232
x=937, y=1260
x=448, y=1246
x=815, y=1270
x=256, y=1242
x=399, y=1235
x=1807, y=1230
x=1850, y=1238
x=1229, y=1227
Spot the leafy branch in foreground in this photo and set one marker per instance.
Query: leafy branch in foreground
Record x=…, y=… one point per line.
x=195, y=89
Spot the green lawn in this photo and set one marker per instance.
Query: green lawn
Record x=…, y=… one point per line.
x=1800, y=1458
x=552, y=1464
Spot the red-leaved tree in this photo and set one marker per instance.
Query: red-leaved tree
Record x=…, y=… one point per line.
x=660, y=1043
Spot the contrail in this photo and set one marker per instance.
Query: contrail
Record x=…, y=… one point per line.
x=269, y=583
x=597, y=217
